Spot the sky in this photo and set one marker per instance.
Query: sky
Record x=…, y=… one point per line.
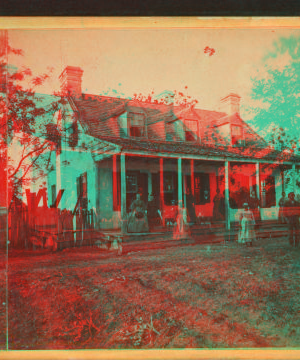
x=130, y=61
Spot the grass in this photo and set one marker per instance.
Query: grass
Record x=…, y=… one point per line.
x=182, y=297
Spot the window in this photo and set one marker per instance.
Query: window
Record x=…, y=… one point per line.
x=136, y=124
x=237, y=135
x=191, y=130
x=131, y=183
x=170, y=187
x=202, y=188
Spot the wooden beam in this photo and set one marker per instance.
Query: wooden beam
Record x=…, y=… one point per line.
x=180, y=181
x=115, y=184
x=161, y=185
x=257, y=170
x=192, y=177
x=282, y=180
x=203, y=157
x=227, y=207
x=123, y=192
x=58, y=198
x=294, y=178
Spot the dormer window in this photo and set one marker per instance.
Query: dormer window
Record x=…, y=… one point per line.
x=237, y=136
x=136, y=122
x=191, y=130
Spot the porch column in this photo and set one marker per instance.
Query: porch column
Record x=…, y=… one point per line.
x=115, y=184
x=161, y=186
x=192, y=177
x=227, y=209
x=58, y=172
x=179, y=180
x=257, y=181
x=282, y=179
x=123, y=192
x=149, y=183
x=294, y=178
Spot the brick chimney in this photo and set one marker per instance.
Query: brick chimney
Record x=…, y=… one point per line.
x=70, y=80
x=230, y=104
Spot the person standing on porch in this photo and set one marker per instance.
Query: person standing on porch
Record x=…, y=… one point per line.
x=153, y=212
x=292, y=213
x=281, y=215
x=222, y=205
x=217, y=215
x=190, y=205
x=138, y=222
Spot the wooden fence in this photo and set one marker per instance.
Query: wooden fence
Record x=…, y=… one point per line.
x=25, y=224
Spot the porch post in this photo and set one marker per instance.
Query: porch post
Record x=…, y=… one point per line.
x=184, y=184
x=58, y=172
x=257, y=182
x=227, y=209
x=282, y=179
x=192, y=177
x=294, y=178
x=179, y=180
x=115, y=185
x=161, y=186
x=149, y=182
x=123, y=192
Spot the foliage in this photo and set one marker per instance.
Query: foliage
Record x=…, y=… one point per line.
x=282, y=140
x=23, y=147
x=167, y=97
x=275, y=93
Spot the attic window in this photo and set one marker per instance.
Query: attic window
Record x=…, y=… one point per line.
x=191, y=130
x=136, y=124
x=237, y=137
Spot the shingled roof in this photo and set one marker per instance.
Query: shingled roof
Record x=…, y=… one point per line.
x=97, y=115
x=137, y=145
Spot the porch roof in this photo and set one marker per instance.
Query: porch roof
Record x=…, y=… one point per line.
x=166, y=148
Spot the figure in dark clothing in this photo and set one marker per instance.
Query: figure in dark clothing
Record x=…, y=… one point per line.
x=153, y=212
x=137, y=221
x=217, y=215
x=292, y=209
x=222, y=205
x=281, y=216
x=232, y=202
x=190, y=205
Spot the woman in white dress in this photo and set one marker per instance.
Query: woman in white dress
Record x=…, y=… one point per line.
x=181, y=228
x=247, y=229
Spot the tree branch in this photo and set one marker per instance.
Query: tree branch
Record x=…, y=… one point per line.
x=26, y=156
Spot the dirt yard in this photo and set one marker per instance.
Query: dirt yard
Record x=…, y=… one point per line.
x=2, y=300
x=202, y=296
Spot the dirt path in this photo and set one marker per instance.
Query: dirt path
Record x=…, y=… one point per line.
x=196, y=296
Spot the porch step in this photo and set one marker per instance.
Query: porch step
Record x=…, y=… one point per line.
x=218, y=232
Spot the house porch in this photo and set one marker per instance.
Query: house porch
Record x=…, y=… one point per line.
x=122, y=176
